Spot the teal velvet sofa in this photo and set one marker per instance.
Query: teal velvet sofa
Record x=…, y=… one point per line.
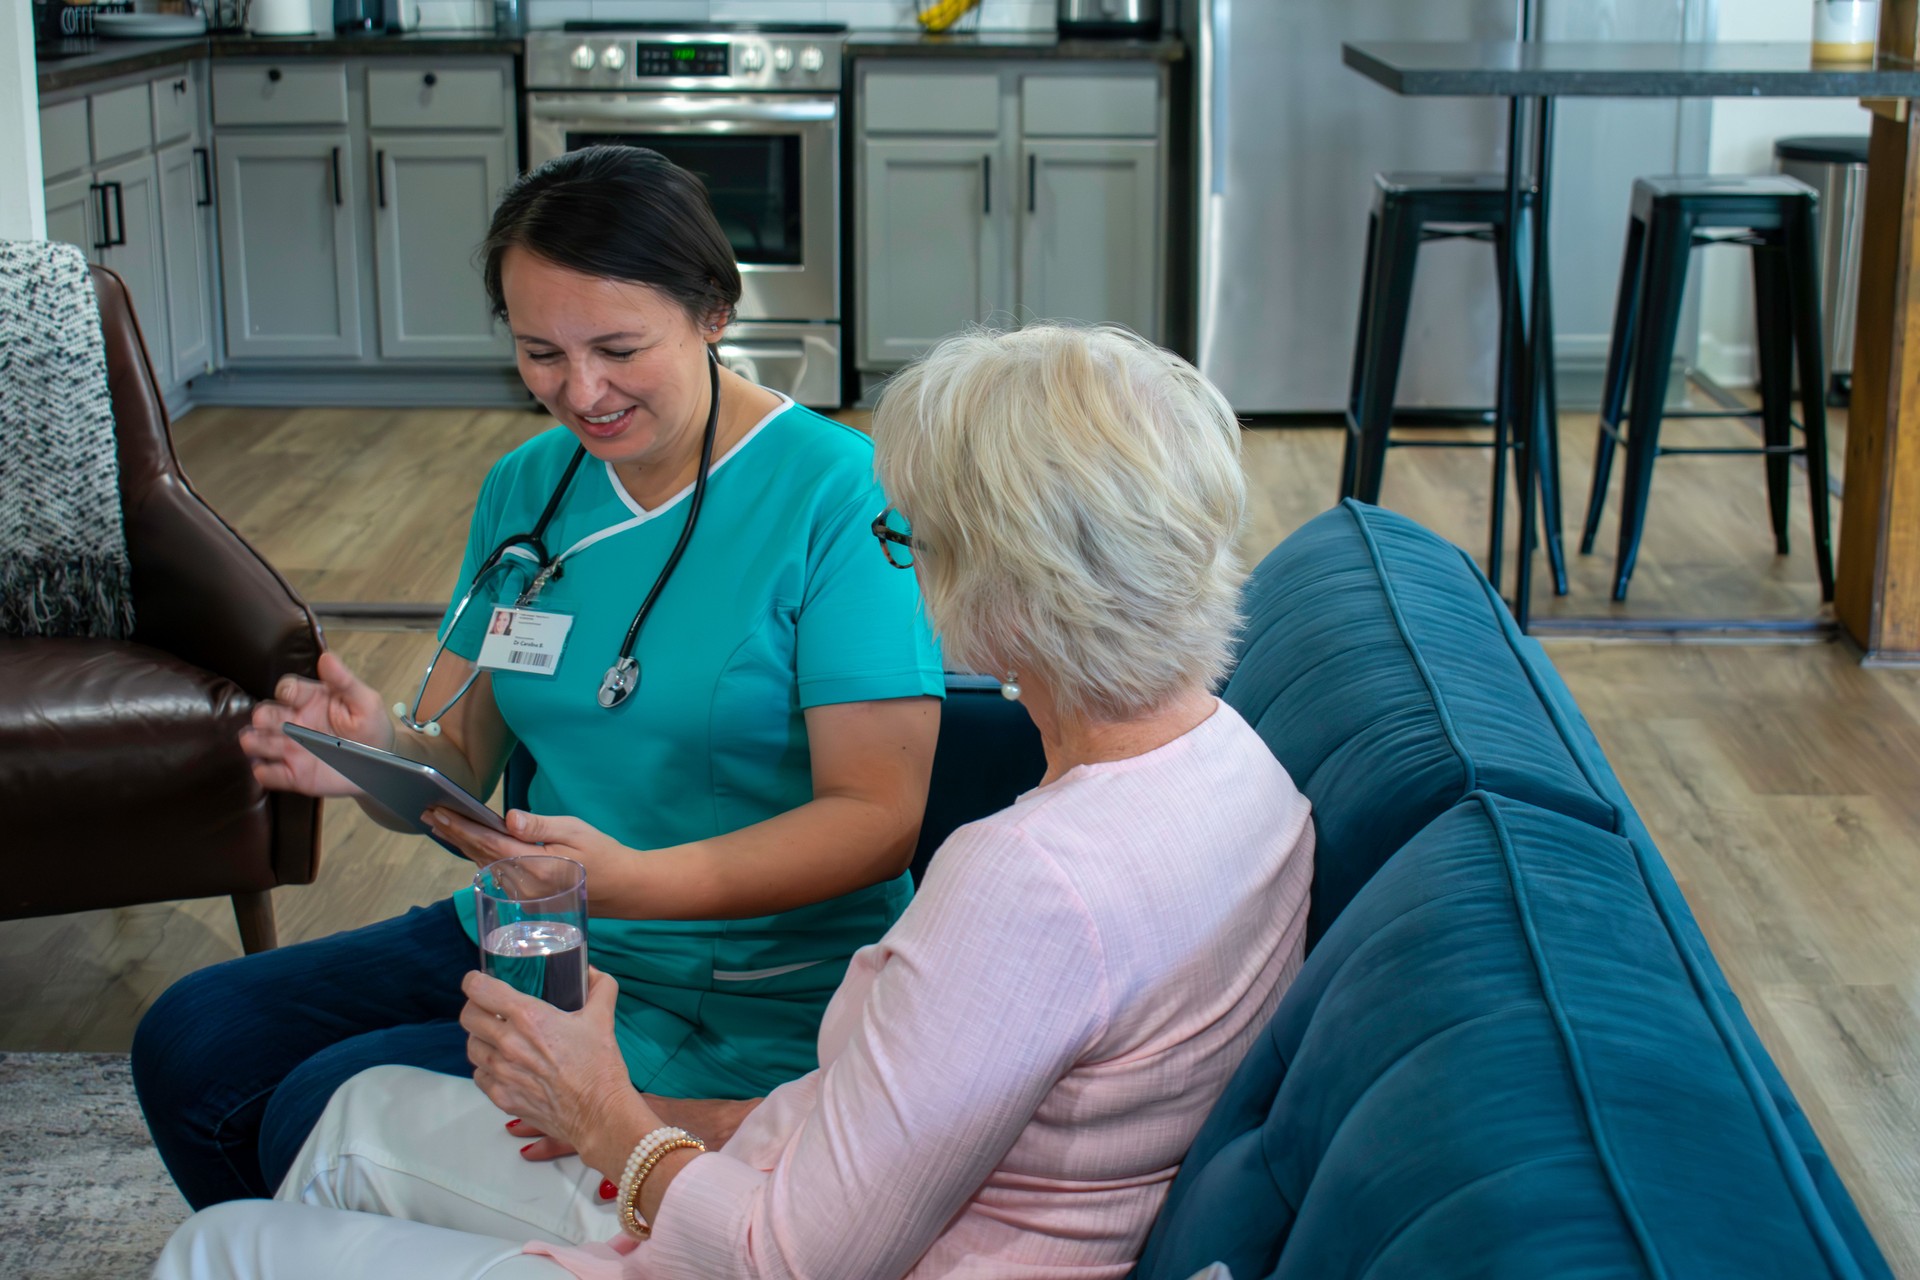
x=1510, y=1052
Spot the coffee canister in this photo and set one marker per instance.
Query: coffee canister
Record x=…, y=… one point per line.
x=280, y=18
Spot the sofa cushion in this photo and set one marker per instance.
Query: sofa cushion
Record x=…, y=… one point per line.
x=124, y=779
x=1376, y=665
x=1666, y=894
x=1501, y=1061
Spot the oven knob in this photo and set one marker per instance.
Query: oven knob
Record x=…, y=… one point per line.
x=783, y=59
x=582, y=59
x=614, y=58
x=811, y=59
x=752, y=58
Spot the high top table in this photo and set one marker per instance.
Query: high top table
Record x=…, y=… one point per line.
x=1877, y=593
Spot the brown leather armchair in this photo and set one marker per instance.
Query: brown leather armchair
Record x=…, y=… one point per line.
x=120, y=770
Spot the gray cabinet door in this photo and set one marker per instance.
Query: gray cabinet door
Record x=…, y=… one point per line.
x=1090, y=245
x=288, y=252
x=433, y=198
x=186, y=200
x=933, y=224
x=134, y=249
x=72, y=211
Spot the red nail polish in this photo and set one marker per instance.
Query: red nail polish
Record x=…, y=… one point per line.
x=607, y=1190
x=512, y=1123
x=530, y=1146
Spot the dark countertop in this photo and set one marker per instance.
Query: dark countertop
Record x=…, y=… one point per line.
x=1010, y=44
x=1481, y=69
x=82, y=61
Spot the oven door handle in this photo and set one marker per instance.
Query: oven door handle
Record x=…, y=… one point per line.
x=679, y=110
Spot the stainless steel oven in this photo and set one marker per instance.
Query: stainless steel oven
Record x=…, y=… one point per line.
x=756, y=113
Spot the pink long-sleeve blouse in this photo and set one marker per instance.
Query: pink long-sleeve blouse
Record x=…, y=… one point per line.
x=1011, y=1076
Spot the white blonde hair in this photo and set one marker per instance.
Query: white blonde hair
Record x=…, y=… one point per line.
x=1075, y=496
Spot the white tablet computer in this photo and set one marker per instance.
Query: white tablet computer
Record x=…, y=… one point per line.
x=405, y=786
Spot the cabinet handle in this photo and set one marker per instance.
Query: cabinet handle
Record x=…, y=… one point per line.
x=180, y=86
x=430, y=79
x=99, y=190
x=986, y=184
x=336, y=177
x=206, y=177
x=273, y=74
x=1033, y=185
x=380, y=176
x=119, y=216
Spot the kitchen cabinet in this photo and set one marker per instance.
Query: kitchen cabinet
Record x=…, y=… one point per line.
x=121, y=168
x=933, y=244
x=1003, y=192
x=352, y=195
x=129, y=226
x=186, y=237
x=434, y=197
x=289, y=249
x=1090, y=237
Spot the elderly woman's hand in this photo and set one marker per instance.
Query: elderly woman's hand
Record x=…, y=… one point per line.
x=562, y=1073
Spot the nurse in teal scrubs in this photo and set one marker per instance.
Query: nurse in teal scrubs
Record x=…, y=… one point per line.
x=742, y=776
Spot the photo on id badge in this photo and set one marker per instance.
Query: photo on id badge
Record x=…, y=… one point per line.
x=524, y=640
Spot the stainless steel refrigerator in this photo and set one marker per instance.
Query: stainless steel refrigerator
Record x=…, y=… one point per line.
x=1287, y=141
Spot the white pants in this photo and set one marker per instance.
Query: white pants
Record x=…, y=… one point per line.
x=434, y=1184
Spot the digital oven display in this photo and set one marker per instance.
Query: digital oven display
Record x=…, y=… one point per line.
x=680, y=59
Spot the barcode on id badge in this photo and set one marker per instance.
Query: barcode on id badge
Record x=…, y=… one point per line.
x=529, y=658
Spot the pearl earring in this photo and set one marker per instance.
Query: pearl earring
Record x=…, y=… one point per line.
x=1010, y=687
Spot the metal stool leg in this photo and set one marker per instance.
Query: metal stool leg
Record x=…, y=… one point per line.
x=1803, y=265
x=1551, y=517
x=1663, y=286
x=1391, y=302
x=1613, y=389
x=1773, y=328
x=1350, y=458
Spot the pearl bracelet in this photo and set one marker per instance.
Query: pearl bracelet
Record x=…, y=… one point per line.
x=646, y=1155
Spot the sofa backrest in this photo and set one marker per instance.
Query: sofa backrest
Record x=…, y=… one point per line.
x=1379, y=667
x=1502, y=1060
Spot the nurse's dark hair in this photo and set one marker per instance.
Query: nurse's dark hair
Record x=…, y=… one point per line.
x=620, y=213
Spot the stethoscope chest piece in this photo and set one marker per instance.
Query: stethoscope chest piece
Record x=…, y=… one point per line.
x=622, y=678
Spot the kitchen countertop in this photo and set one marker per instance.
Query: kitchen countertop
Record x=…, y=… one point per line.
x=82, y=61
x=1620, y=69
x=1009, y=44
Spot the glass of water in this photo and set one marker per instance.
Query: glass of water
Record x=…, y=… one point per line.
x=533, y=927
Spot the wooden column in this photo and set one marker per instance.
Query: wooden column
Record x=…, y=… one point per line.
x=1877, y=592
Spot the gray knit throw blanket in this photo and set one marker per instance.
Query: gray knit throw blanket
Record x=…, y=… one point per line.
x=63, y=547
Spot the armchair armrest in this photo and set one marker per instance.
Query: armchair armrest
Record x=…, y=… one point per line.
x=199, y=591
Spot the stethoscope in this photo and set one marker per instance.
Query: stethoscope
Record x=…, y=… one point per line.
x=623, y=677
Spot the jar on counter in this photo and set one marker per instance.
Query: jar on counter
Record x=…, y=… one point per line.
x=1845, y=30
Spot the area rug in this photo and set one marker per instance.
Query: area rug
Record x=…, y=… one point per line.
x=83, y=1195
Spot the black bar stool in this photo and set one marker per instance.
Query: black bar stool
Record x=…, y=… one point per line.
x=1774, y=217
x=1411, y=210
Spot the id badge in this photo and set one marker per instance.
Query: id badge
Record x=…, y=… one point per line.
x=524, y=640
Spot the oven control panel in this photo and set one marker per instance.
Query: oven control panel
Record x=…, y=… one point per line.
x=654, y=59
x=700, y=61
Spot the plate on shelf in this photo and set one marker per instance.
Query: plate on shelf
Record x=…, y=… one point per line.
x=148, y=26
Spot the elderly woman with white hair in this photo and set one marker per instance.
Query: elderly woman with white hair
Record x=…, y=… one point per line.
x=1011, y=1076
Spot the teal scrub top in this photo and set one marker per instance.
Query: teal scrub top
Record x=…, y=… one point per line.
x=783, y=601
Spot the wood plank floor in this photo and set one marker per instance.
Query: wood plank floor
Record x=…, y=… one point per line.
x=1779, y=779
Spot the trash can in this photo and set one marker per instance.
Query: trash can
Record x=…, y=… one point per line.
x=1836, y=167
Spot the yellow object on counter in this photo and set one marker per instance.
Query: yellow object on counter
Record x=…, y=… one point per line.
x=944, y=13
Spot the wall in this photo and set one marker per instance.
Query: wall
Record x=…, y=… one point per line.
x=993, y=15
x=1743, y=133
x=23, y=213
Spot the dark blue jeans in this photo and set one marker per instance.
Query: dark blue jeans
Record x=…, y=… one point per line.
x=235, y=1063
